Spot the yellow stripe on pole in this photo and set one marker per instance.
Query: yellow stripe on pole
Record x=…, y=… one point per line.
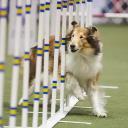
x=57, y=45
x=59, y=5
x=25, y=104
x=63, y=41
x=26, y=56
x=47, y=6
x=54, y=84
x=3, y=13
x=45, y=90
x=19, y=11
x=46, y=48
x=62, y=79
x=28, y=9
x=13, y=112
x=2, y=66
x=71, y=2
x=40, y=51
x=36, y=96
x=42, y=7
x=65, y=3
x=1, y=122
x=77, y=1
x=16, y=61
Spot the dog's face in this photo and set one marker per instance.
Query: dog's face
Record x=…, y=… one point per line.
x=83, y=40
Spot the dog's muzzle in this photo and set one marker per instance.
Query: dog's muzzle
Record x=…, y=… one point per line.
x=73, y=48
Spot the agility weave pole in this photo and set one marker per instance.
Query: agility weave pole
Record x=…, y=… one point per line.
x=62, y=7
x=46, y=63
x=56, y=55
x=3, y=27
x=64, y=19
x=26, y=64
x=16, y=66
x=38, y=63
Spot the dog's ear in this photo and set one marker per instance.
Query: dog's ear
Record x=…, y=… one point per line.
x=94, y=42
x=92, y=30
x=75, y=24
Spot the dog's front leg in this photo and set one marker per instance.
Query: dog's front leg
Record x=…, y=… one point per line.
x=96, y=97
x=73, y=87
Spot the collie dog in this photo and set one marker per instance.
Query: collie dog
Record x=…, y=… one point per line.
x=83, y=66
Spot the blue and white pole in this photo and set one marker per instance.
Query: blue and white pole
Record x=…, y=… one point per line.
x=82, y=10
x=56, y=56
x=3, y=28
x=16, y=66
x=38, y=63
x=70, y=10
x=26, y=64
x=62, y=79
x=77, y=3
x=46, y=63
x=89, y=13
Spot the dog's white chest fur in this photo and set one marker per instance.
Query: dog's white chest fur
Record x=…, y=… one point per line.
x=83, y=68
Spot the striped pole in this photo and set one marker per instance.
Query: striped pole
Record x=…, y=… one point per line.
x=62, y=80
x=34, y=17
x=56, y=55
x=16, y=64
x=77, y=3
x=70, y=9
x=53, y=17
x=82, y=20
x=70, y=19
x=26, y=64
x=38, y=63
x=89, y=13
x=46, y=63
x=3, y=27
x=11, y=27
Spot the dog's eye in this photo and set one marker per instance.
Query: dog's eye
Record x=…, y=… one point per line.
x=72, y=35
x=81, y=37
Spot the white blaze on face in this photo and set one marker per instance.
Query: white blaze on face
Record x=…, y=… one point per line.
x=77, y=39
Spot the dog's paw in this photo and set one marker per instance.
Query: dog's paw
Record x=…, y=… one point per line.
x=81, y=97
x=100, y=114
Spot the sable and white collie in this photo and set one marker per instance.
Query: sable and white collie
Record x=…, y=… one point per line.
x=83, y=66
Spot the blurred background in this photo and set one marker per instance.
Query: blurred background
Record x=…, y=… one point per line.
x=110, y=6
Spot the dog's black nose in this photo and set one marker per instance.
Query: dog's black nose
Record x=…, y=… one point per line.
x=72, y=46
